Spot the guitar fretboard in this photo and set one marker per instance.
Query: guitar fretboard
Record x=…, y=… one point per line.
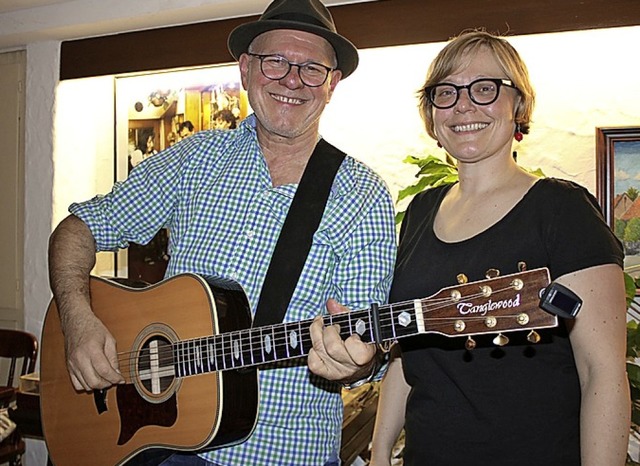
x=283, y=341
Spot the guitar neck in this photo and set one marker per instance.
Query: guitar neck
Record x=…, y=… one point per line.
x=261, y=345
x=496, y=305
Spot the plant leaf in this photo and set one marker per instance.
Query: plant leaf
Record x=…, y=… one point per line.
x=420, y=186
x=629, y=287
x=633, y=370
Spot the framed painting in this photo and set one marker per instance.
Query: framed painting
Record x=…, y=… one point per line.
x=618, y=186
x=155, y=111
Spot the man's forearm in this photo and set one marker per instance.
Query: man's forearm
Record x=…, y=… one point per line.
x=72, y=255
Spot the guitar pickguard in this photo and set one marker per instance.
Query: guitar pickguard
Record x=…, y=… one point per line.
x=136, y=412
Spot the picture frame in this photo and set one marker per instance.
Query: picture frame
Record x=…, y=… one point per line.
x=152, y=110
x=618, y=186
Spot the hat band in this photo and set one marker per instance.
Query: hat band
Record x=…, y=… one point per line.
x=302, y=18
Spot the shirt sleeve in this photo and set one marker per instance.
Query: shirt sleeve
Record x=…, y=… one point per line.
x=365, y=269
x=578, y=236
x=137, y=208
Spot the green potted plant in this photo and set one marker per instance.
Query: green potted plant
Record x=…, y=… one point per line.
x=633, y=370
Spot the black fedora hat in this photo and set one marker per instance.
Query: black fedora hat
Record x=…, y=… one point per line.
x=302, y=15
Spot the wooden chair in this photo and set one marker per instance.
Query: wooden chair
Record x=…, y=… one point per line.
x=15, y=346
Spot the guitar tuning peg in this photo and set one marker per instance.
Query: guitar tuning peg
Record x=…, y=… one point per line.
x=470, y=343
x=462, y=278
x=533, y=336
x=522, y=266
x=500, y=340
x=492, y=273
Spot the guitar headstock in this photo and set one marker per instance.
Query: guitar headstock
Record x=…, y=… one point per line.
x=492, y=306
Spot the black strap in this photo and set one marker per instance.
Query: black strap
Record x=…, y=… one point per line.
x=296, y=235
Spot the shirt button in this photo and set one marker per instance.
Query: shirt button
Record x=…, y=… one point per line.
x=250, y=233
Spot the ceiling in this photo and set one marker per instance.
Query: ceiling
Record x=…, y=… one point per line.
x=27, y=21
x=13, y=5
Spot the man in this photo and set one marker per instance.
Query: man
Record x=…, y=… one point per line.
x=185, y=129
x=224, y=196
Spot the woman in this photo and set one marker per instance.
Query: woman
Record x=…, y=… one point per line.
x=146, y=148
x=563, y=401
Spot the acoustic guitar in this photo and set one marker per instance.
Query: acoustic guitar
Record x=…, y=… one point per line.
x=189, y=356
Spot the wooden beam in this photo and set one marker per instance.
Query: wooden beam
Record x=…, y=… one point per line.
x=371, y=24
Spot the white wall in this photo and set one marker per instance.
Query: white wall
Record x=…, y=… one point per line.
x=42, y=76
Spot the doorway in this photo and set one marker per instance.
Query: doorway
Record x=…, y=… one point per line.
x=12, y=82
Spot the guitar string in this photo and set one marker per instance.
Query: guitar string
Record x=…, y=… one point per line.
x=168, y=349
x=165, y=354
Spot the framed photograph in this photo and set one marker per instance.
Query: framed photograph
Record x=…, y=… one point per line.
x=618, y=186
x=155, y=111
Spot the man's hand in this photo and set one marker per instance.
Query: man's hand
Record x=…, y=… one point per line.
x=92, y=359
x=89, y=347
x=335, y=359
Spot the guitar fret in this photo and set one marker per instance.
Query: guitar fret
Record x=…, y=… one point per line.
x=233, y=349
x=238, y=356
x=219, y=351
x=223, y=353
x=256, y=346
x=300, y=339
x=236, y=349
x=287, y=342
x=198, y=356
x=280, y=342
x=192, y=358
x=261, y=339
x=372, y=337
x=187, y=358
x=176, y=359
x=211, y=351
x=273, y=336
x=250, y=353
x=180, y=359
x=393, y=324
x=268, y=350
x=229, y=352
x=305, y=340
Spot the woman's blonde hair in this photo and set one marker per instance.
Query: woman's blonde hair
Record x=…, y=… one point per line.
x=459, y=52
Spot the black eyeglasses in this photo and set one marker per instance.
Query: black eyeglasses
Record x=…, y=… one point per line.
x=483, y=91
x=276, y=67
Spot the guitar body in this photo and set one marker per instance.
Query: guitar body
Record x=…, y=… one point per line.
x=154, y=409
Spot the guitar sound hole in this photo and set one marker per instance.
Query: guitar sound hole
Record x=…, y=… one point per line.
x=156, y=365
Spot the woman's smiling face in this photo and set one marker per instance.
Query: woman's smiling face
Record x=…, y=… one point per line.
x=472, y=132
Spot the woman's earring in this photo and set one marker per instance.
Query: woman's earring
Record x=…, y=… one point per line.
x=439, y=145
x=518, y=134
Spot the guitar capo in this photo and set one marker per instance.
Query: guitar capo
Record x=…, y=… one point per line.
x=384, y=346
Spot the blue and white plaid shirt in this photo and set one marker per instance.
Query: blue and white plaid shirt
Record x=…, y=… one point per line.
x=214, y=193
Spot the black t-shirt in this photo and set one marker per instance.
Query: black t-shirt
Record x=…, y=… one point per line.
x=513, y=405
